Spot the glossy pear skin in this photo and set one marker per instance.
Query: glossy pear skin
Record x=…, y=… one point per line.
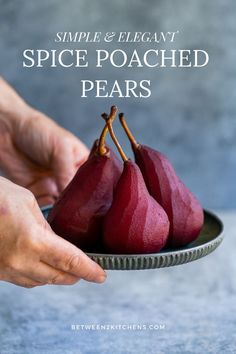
x=78, y=213
x=135, y=223
x=182, y=207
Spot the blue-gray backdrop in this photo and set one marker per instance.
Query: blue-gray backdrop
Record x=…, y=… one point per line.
x=191, y=113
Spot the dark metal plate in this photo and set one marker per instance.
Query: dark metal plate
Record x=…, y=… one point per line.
x=210, y=238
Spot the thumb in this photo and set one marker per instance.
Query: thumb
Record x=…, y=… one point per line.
x=68, y=157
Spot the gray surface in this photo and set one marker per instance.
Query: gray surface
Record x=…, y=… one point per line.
x=191, y=114
x=195, y=302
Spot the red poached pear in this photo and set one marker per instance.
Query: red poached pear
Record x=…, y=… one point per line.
x=182, y=207
x=78, y=213
x=135, y=223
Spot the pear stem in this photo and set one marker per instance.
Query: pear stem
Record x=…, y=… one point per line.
x=115, y=140
x=127, y=131
x=101, y=145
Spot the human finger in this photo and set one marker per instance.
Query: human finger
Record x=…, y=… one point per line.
x=66, y=257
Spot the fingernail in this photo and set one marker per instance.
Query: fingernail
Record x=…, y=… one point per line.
x=101, y=278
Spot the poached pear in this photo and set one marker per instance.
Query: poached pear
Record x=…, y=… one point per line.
x=78, y=213
x=184, y=211
x=135, y=223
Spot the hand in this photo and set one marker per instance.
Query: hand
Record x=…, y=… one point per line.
x=31, y=254
x=34, y=151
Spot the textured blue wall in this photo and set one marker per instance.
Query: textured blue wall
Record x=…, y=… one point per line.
x=191, y=115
